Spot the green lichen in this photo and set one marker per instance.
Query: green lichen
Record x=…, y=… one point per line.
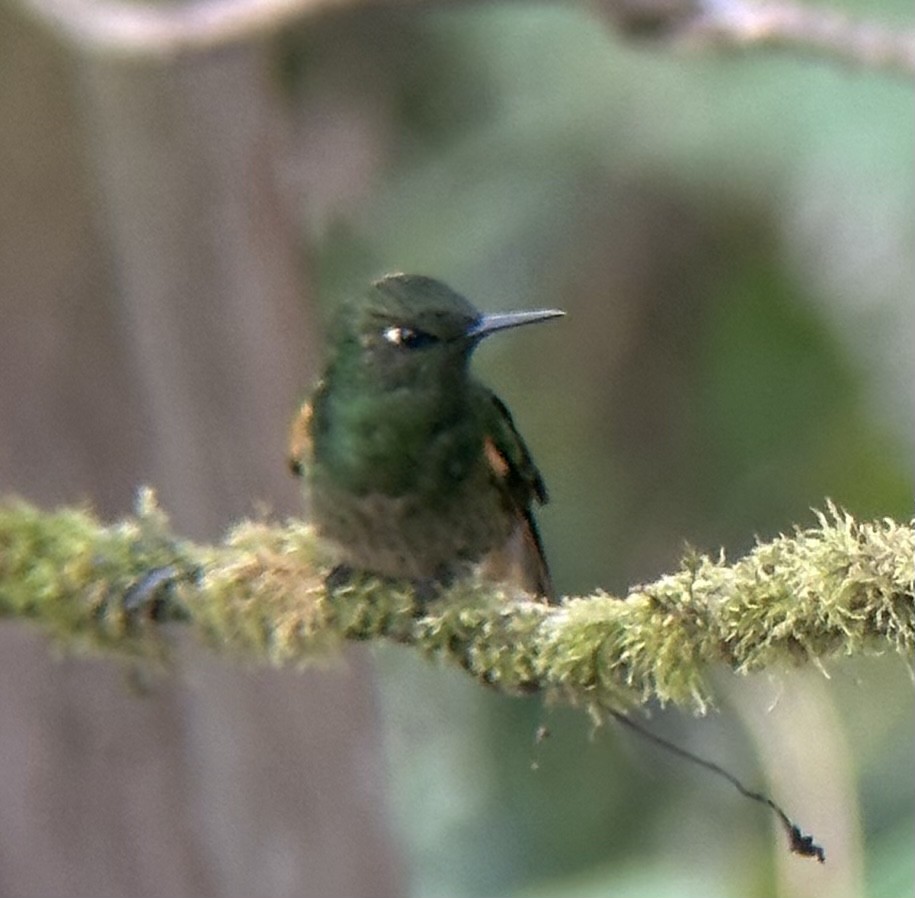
x=838, y=588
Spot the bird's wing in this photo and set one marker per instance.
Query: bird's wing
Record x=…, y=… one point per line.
x=514, y=470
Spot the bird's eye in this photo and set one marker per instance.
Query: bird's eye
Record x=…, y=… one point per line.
x=406, y=337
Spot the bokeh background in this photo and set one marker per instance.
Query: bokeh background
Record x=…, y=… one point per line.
x=731, y=236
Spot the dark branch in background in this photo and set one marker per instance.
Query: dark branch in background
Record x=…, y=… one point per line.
x=124, y=28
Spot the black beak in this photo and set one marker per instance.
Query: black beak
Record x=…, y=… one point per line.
x=488, y=324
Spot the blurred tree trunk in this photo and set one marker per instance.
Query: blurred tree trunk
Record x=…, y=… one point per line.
x=156, y=333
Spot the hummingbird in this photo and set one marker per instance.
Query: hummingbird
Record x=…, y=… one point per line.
x=415, y=469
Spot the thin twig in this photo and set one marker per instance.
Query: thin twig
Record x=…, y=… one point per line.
x=798, y=841
x=804, y=29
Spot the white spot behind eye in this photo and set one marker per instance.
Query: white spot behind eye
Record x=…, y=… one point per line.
x=397, y=335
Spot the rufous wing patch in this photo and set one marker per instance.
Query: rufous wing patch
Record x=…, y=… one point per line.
x=521, y=560
x=497, y=462
x=300, y=440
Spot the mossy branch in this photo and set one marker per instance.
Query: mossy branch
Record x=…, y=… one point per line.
x=839, y=588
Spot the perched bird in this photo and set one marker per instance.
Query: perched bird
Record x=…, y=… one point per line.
x=415, y=468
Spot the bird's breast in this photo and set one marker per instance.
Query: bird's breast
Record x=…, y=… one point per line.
x=411, y=534
x=395, y=446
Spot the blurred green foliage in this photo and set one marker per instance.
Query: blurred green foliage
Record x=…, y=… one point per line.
x=731, y=235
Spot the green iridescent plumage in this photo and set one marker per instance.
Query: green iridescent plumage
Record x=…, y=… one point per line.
x=415, y=468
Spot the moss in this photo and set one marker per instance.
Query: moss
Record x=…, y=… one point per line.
x=838, y=588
